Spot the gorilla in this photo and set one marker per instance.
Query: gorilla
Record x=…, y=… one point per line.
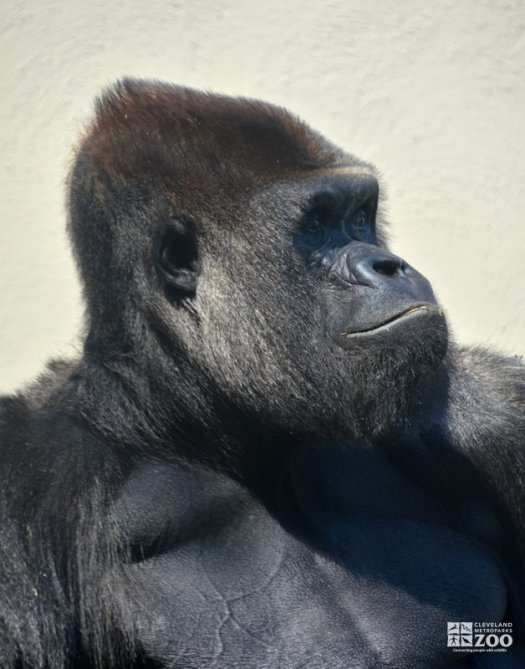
x=269, y=455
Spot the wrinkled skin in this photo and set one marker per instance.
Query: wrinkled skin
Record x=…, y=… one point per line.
x=269, y=455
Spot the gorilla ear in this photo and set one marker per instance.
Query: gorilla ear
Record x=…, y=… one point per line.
x=178, y=257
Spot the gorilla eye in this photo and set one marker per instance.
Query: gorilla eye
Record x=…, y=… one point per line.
x=359, y=220
x=312, y=223
x=359, y=225
x=317, y=218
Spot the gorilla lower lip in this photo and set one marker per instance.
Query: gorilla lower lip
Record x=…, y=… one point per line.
x=420, y=309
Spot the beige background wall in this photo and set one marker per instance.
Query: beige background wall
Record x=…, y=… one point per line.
x=432, y=92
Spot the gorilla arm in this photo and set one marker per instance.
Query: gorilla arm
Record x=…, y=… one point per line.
x=486, y=424
x=468, y=448
x=482, y=421
x=486, y=416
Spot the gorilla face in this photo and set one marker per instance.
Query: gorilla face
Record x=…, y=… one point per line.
x=371, y=295
x=256, y=255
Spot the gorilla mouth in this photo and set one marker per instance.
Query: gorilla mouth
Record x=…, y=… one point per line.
x=418, y=310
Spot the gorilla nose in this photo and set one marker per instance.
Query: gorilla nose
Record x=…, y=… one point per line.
x=385, y=271
x=387, y=266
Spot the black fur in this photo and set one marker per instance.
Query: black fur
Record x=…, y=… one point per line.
x=269, y=455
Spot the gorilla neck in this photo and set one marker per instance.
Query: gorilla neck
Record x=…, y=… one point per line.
x=156, y=402
x=167, y=410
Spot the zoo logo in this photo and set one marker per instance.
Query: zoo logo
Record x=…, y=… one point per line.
x=479, y=637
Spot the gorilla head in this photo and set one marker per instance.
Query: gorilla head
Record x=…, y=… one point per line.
x=236, y=256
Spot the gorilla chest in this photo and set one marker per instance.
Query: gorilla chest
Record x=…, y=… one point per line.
x=225, y=585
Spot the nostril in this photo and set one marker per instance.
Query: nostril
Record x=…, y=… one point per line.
x=387, y=267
